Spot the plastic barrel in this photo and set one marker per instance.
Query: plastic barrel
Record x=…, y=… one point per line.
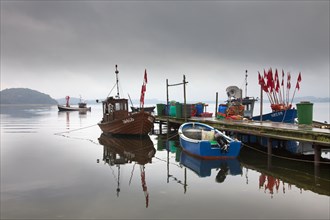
x=178, y=109
x=305, y=113
x=172, y=110
x=160, y=109
x=222, y=108
x=199, y=109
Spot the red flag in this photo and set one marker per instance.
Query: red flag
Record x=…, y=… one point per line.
x=297, y=85
x=277, y=88
x=145, y=76
x=299, y=78
x=282, y=84
x=276, y=75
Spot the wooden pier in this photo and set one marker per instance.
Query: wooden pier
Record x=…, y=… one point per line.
x=274, y=130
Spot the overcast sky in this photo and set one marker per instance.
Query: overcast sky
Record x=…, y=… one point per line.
x=71, y=47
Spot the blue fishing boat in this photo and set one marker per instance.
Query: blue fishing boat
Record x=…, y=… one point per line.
x=284, y=116
x=204, y=167
x=206, y=142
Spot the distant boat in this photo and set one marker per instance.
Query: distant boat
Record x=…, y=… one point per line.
x=82, y=106
x=204, y=141
x=118, y=120
x=203, y=168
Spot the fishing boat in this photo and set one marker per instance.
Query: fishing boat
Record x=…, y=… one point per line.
x=82, y=106
x=203, y=168
x=204, y=141
x=278, y=95
x=118, y=120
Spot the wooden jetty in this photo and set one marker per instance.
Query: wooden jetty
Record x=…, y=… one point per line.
x=275, y=130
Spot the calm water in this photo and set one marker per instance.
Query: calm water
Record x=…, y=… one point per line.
x=57, y=165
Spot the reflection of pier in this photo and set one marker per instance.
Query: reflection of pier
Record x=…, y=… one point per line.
x=301, y=174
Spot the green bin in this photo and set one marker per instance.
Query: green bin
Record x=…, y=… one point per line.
x=160, y=109
x=305, y=113
x=178, y=110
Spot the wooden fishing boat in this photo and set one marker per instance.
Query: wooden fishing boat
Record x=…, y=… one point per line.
x=118, y=120
x=204, y=141
x=82, y=106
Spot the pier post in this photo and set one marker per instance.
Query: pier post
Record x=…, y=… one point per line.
x=160, y=127
x=184, y=98
x=269, y=152
x=216, y=104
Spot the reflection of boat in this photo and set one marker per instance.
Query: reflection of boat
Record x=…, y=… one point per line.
x=117, y=120
x=82, y=106
x=146, y=109
x=207, y=142
x=131, y=148
x=203, y=167
x=119, y=150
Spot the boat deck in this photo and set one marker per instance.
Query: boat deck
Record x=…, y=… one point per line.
x=276, y=130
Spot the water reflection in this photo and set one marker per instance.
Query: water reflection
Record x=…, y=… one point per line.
x=203, y=167
x=120, y=150
x=277, y=171
x=67, y=114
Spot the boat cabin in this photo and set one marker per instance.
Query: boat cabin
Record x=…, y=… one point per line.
x=114, y=109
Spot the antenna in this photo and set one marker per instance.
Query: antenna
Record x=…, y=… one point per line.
x=117, y=81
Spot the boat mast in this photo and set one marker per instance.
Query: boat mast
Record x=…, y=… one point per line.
x=246, y=83
x=117, y=81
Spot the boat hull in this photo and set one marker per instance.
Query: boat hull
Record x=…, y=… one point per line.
x=65, y=108
x=140, y=123
x=205, y=148
x=285, y=116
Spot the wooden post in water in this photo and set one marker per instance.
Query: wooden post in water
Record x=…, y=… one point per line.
x=269, y=152
x=216, y=104
x=167, y=106
x=317, y=158
x=184, y=98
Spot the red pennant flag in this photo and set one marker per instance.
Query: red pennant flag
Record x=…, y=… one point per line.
x=299, y=78
x=297, y=85
x=259, y=78
x=145, y=76
x=282, y=84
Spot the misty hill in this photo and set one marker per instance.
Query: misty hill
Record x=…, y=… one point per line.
x=25, y=96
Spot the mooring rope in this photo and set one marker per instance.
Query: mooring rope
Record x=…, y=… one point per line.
x=78, y=129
